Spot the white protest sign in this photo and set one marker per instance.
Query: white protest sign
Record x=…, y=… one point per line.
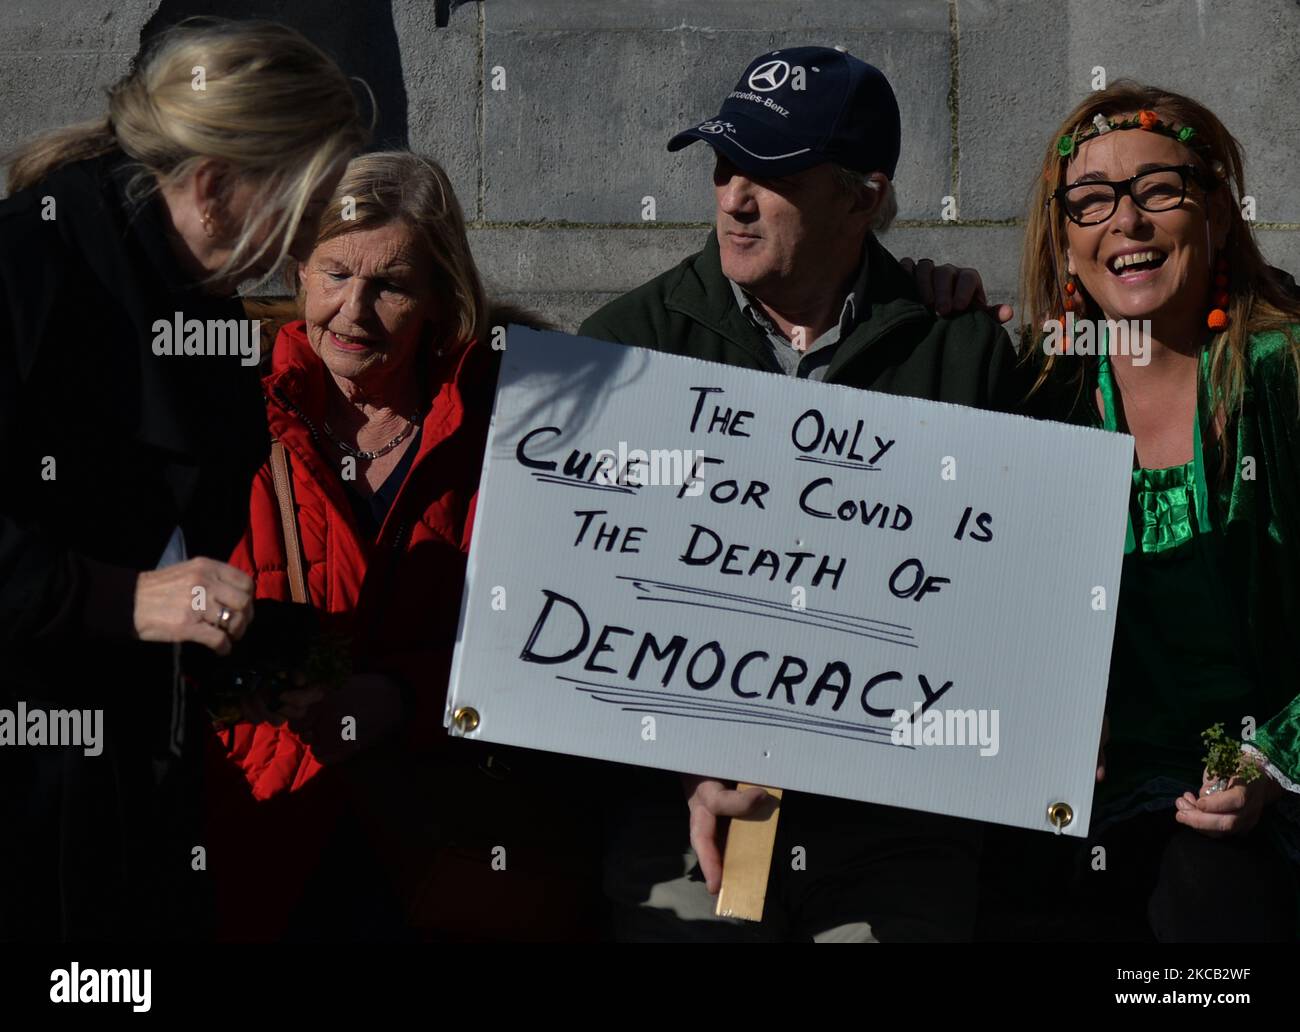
x=698, y=568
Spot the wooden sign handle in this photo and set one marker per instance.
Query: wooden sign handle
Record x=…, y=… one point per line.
x=747, y=862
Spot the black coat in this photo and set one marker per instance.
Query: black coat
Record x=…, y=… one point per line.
x=100, y=846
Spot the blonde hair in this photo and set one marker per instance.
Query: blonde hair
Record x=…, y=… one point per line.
x=1257, y=302
x=254, y=94
x=398, y=186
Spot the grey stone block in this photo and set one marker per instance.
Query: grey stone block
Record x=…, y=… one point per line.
x=564, y=311
x=608, y=261
x=1011, y=87
x=1024, y=64
x=72, y=27
x=579, y=133
x=712, y=15
x=45, y=90
x=58, y=58
x=1282, y=248
x=440, y=73
x=993, y=251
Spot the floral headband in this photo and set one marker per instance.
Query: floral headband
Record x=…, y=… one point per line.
x=1068, y=144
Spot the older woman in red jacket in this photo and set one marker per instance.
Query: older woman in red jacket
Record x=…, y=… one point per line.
x=381, y=398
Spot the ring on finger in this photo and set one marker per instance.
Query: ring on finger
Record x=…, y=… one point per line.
x=223, y=621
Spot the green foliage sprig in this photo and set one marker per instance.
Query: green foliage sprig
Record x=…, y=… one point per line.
x=1224, y=759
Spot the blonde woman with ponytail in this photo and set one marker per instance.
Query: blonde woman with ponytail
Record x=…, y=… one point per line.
x=131, y=425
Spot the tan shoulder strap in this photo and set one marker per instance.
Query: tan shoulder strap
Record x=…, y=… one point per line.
x=288, y=521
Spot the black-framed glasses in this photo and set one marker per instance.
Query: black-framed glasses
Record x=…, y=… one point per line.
x=1157, y=189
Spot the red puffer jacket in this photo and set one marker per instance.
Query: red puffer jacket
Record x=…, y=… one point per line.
x=397, y=598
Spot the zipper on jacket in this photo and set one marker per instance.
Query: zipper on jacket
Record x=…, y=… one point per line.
x=865, y=346
x=382, y=591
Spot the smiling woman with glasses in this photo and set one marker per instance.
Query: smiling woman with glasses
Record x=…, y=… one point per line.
x=1137, y=217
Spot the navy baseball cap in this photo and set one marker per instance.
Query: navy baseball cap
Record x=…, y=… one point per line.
x=800, y=107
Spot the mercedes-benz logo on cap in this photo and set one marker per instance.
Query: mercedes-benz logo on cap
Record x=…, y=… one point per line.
x=714, y=128
x=769, y=76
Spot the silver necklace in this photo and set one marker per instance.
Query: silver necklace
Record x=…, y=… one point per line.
x=356, y=453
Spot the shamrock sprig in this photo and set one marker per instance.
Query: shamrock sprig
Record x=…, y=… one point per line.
x=1224, y=759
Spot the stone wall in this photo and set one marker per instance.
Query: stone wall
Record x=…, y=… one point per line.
x=551, y=116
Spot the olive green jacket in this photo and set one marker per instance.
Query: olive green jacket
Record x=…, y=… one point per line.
x=899, y=346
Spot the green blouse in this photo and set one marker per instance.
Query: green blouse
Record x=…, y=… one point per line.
x=1209, y=613
x=1178, y=664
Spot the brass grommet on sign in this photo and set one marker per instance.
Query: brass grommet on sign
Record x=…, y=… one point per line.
x=465, y=719
x=1059, y=815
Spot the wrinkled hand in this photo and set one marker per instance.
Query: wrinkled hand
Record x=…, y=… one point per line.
x=165, y=603
x=708, y=799
x=1101, y=748
x=950, y=290
x=374, y=701
x=1234, y=810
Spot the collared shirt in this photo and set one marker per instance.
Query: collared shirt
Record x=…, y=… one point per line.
x=814, y=360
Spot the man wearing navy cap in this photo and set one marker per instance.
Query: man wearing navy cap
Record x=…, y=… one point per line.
x=793, y=281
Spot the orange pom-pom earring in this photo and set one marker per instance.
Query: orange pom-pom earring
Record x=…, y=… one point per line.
x=1072, y=303
x=1218, y=317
